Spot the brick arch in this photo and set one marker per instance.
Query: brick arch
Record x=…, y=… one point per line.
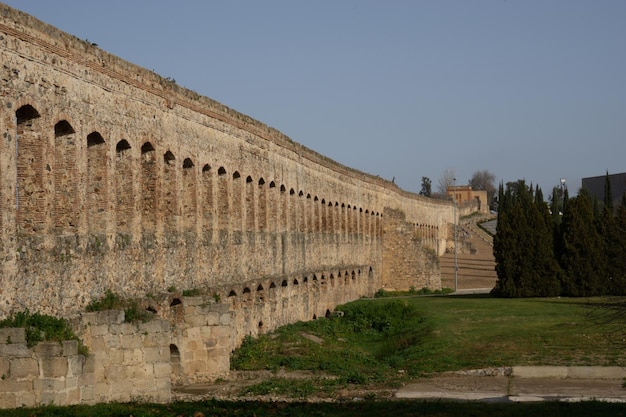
x=149, y=187
x=124, y=181
x=237, y=207
x=169, y=196
x=66, y=184
x=190, y=194
x=250, y=203
x=30, y=192
x=223, y=200
x=97, y=183
x=208, y=204
x=262, y=212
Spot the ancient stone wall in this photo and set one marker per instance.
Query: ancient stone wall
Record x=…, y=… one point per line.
x=126, y=362
x=114, y=178
x=409, y=251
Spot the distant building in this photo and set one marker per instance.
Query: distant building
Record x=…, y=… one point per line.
x=464, y=195
x=595, y=186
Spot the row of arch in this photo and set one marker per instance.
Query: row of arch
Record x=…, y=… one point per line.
x=152, y=191
x=250, y=295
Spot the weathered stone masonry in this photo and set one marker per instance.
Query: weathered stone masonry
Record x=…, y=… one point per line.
x=114, y=178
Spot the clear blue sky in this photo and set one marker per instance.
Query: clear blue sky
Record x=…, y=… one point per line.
x=532, y=89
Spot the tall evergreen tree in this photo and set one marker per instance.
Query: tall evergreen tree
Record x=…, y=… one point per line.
x=523, y=244
x=582, y=249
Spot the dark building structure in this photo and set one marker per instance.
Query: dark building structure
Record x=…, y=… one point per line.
x=596, y=186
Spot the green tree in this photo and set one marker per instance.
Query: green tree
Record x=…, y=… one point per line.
x=523, y=244
x=582, y=249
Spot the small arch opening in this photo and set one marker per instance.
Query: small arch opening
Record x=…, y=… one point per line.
x=94, y=138
x=121, y=146
x=147, y=147
x=187, y=163
x=63, y=128
x=221, y=171
x=175, y=302
x=168, y=157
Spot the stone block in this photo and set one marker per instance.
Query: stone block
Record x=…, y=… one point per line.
x=55, y=367
x=196, y=320
x=121, y=390
x=73, y=396
x=16, y=350
x=143, y=386
x=8, y=400
x=75, y=365
x=162, y=370
x=105, y=317
x=87, y=394
x=155, y=339
x=8, y=385
x=132, y=357
x=193, y=301
x=116, y=357
x=131, y=341
x=152, y=354
x=163, y=383
x=26, y=399
x=89, y=366
x=22, y=368
x=97, y=344
x=48, y=349
x=112, y=341
x=213, y=318
x=99, y=330
x=87, y=379
x=70, y=347
x=52, y=397
x=225, y=319
x=5, y=367
x=10, y=335
x=152, y=326
x=123, y=329
x=116, y=373
x=49, y=384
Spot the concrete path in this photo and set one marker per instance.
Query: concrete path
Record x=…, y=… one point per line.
x=524, y=384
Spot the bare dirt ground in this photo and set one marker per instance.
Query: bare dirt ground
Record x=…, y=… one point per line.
x=489, y=385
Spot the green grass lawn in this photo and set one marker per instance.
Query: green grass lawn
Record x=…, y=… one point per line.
x=376, y=343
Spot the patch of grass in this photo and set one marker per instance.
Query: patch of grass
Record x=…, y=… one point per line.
x=111, y=301
x=41, y=327
x=194, y=292
x=387, y=341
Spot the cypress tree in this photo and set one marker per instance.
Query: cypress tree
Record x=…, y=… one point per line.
x=582, y=247
x=523, y=245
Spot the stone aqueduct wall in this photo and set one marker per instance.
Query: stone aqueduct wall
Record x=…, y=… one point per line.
x=113, y=178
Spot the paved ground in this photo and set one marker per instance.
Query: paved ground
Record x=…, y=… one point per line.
x=513, y=388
